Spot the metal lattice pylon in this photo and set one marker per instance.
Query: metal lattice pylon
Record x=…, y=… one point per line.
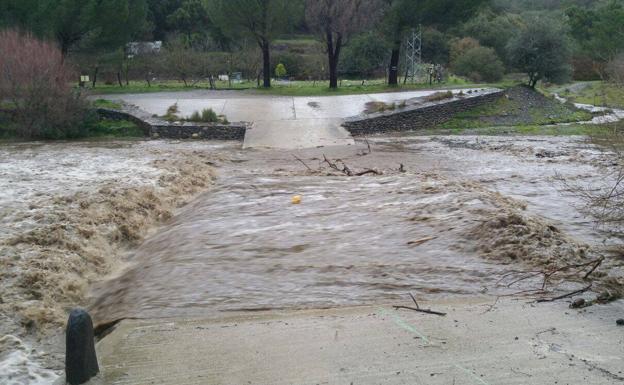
x=413, y=59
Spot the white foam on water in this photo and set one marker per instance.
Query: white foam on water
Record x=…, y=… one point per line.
x=19, y=364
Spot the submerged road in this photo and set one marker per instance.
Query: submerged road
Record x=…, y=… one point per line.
x=242, y=287
x=278, y=121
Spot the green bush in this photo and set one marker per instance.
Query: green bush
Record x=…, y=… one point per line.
x=207, y=115
x=293, y=62
x=480, y=64
x=364, y=57
x=280, y=71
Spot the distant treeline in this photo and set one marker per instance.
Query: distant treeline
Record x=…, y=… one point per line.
x=326, y=39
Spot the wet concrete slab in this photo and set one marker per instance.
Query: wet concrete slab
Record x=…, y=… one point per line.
x=300, y=133
x=478, y=342
x=281, y=122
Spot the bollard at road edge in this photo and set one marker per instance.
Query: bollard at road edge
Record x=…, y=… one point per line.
x=80, y=360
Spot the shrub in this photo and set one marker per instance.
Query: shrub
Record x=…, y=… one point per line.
x=374, y=107
x=461, y=46
x=584, y=68
x=364, y=57
x=172, y=113
x=493, y=30
x=280, y=71
x=294, y=63
x=438, y=96
x=35, y=84
x=480, y=64
x=207, y=115
x=615, y=70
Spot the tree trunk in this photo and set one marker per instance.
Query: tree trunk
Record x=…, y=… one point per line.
x=333, y=56
x=266, y=63
x=393, y=70
x=95, y=74
x=333, y=69
x=119, y=79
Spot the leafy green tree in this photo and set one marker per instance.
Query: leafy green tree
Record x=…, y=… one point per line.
x=190, y=18
x=435, y=46
x=72, y=23
x=263, y=20
x=158, y=13
x=364, y=56
x=479, y=64
x=493, y=30
x=113, y=23
x=403, y=15
x=542, y=51
x=599, y=31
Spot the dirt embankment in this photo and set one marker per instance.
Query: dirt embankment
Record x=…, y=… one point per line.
x=80, y=236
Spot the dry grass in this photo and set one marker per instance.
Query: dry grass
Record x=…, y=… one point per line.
x=438, y=96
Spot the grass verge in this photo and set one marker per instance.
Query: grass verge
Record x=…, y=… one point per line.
x=521, y=107
x=293, y=88
x=597, y=93
x=105, y=103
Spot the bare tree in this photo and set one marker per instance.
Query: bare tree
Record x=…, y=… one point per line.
x=335, y=21
x=615, y=70
x=35, y=84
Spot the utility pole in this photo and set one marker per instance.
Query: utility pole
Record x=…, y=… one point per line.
x=413, y=52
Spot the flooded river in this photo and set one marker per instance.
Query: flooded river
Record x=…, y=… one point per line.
x=447, y=216
x=359, y=240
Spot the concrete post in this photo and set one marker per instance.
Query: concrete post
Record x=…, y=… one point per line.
x=80, y=359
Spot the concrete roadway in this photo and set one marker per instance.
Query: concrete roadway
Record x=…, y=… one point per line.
x=477, y=343
x=278, y=121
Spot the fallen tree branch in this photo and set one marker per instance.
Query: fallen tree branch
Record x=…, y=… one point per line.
x=519, y=276
x=346, y=170
x=427, y=311
x=367, y=171
x=583, y=290
x=414, y=299
x=418, y=309
x=302, y=162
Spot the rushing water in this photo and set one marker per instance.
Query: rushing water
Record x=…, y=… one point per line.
x=352, y=241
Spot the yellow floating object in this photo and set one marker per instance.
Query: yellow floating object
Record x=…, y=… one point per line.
x=296, y=199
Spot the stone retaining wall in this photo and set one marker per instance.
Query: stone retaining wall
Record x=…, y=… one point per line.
x=158, y=128
x=417, y=117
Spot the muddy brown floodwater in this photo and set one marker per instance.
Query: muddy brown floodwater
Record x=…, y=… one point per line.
x=465, y=210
